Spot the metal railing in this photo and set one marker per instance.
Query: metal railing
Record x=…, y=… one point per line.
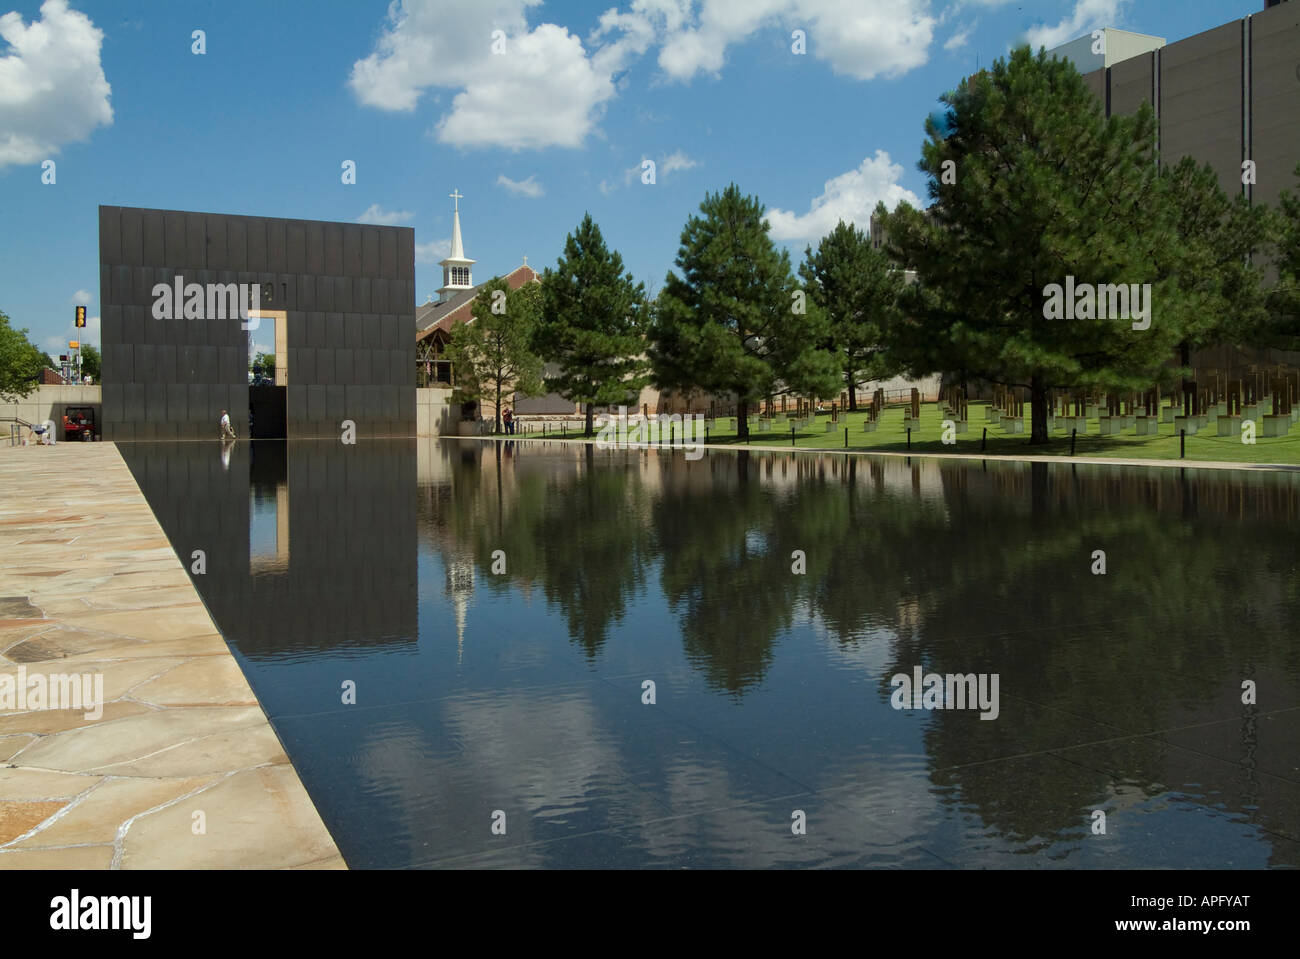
x=16, y=424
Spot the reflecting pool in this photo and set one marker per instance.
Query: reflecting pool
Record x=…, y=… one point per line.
x=567, y=657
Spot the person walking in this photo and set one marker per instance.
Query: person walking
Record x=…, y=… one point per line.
x=227, y=432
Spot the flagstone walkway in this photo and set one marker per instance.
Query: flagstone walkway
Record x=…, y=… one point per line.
x=182, y=770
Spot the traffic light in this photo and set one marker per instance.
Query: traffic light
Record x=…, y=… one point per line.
x=81, y=316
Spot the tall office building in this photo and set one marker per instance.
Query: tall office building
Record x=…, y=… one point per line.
x=1224, y=97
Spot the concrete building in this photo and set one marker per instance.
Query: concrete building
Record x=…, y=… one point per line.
x=1229, y=97
x=1106, y=47
x=1224, y=97
x=337, y=300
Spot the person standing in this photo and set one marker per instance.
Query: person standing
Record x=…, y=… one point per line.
x=508, y=418
x=227, y=432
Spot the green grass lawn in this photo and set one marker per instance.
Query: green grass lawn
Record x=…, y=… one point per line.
x=890, y=437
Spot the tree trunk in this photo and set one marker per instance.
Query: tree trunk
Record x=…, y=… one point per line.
x=1038, y=490
x=742, y=420
x=591, y=411
x=496, y=416
x=1038, y=397
x=853, y=392
x=1189, y=385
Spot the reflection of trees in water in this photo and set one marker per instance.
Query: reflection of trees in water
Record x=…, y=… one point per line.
x=972, y=568
x=579, y=534
x=725, y=542
x=1184, y=613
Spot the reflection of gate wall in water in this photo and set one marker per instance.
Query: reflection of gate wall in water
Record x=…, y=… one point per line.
x=350, y=540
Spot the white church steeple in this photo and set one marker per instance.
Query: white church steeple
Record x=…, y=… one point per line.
x=456, y=274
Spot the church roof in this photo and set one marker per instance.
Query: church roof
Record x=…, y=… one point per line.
x=459, y=308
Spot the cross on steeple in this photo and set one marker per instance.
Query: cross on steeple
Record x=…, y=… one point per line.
x=456, y=196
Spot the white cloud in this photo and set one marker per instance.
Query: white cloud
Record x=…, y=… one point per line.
x=666, y=165
x=58, y=343
x=637, y=28
x=542, y=91
x=52, y=85
x=861, y=39
x=958, y=39
x=81, y=297
x=1088, y=15
x=546, y=89
x=433, y=251
x=850, y=197
x=380, y=217
x=674, y=162
x=529, y=188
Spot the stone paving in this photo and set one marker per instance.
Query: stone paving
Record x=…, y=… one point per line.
x=182, y=770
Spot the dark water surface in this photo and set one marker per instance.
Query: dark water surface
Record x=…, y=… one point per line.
x=521, y=691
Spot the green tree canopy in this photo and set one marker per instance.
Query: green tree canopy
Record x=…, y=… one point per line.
x=593, y=314
x=1220, y=288
x=1032, y=186
x=732, y=321
x=858, y=290
x=92, y=361
x=492, y=354
x=267, y=362
x=1281, y=327
x=20, y=362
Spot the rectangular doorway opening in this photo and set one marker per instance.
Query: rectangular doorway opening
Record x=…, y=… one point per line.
x=268, y=383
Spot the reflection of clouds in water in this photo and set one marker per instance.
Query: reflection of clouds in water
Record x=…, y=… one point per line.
x=890, y=810
x=733, y=835
x=535, y=755
x=540, y=756
x=547, y=750
x=844, y=827
x=544, y=758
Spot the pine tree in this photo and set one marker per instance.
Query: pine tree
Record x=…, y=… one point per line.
x=1031, y=186
x=858, y=289
x=735, y=321
x=492, y=354
x=1221, y=291
x=592, y=324
x=1281, y=326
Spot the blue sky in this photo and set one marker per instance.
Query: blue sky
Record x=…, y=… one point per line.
x=554, y=125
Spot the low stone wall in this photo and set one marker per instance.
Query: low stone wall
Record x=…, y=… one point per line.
x=435, y=414
x=47, y=403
